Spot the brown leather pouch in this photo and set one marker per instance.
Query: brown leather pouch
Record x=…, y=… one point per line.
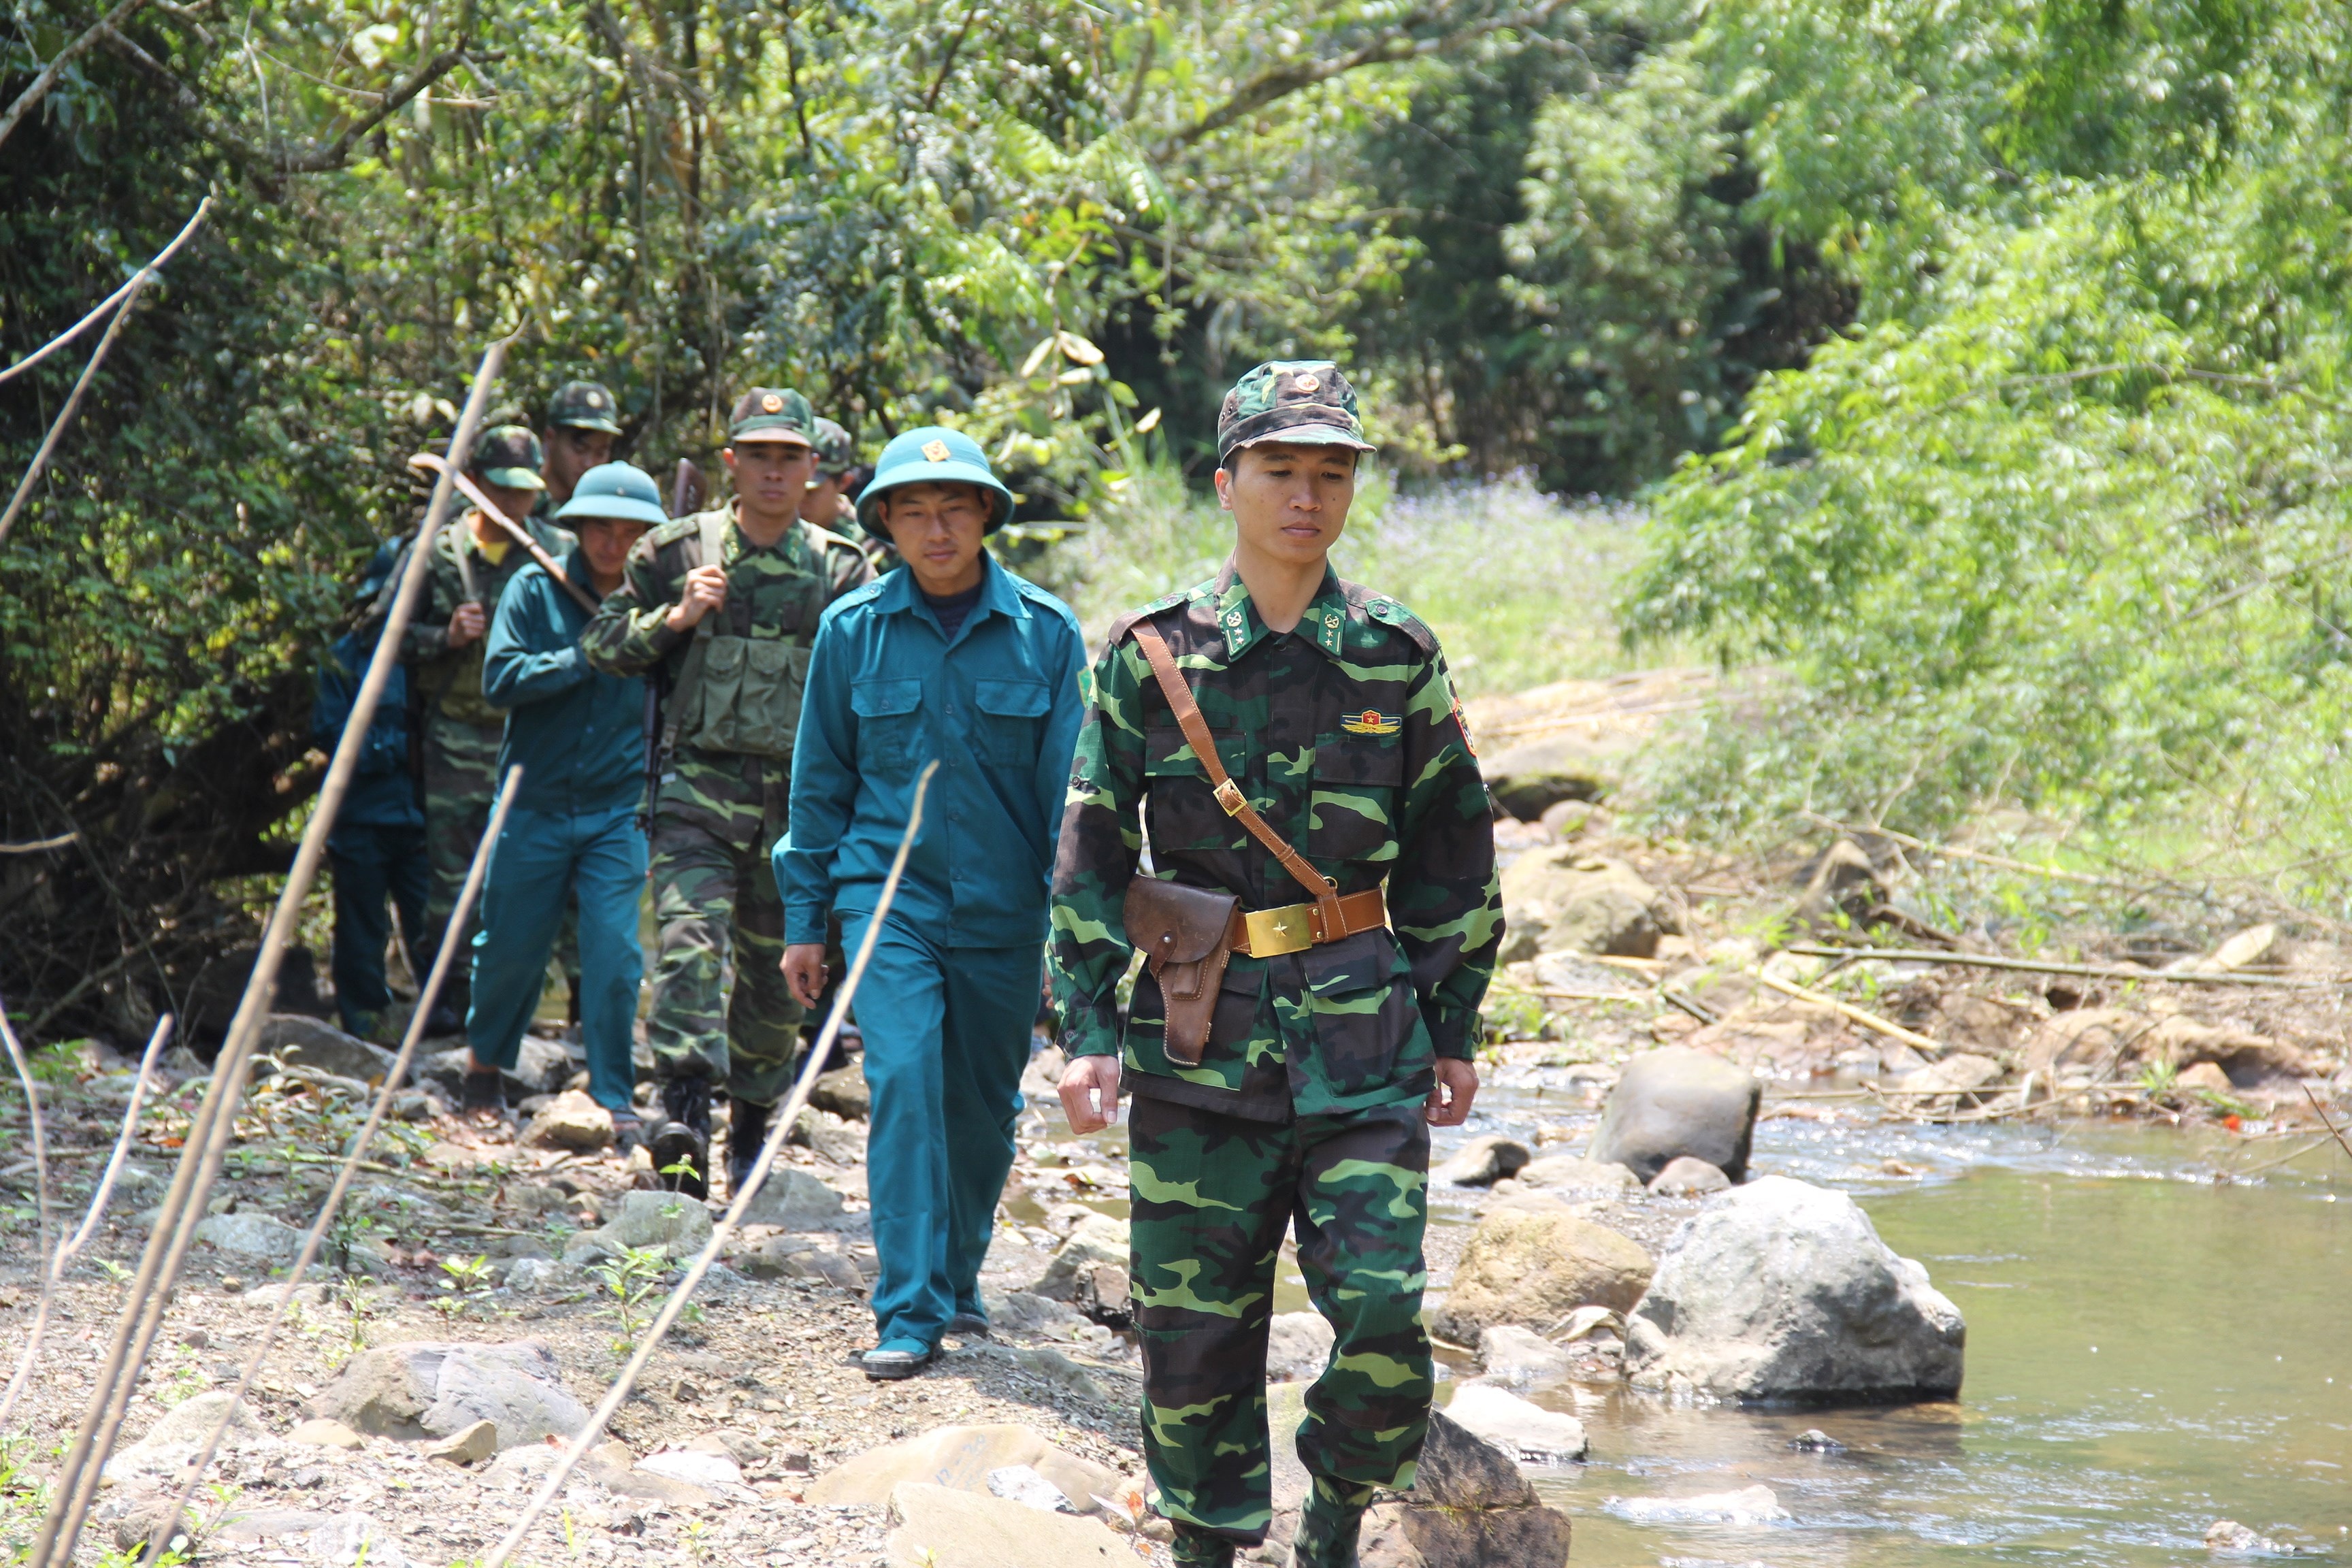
x=1184, y=935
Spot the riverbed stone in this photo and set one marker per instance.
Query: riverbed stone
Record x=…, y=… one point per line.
x=467, y=1446
x=678, y=1225
x=1540, y=1438
x=168, y=1446
x=1534, y=1261
x=1527, y=780
x=962, y=1460
x=1298, y=1346
x=795, y=1200
x=1586, y=902
x=1685, y=1177
x=1675, y=1101
x=1481, y=1162
x=1091, y=1270
x=428, y=1390
x=1946, y=1084
x=1780, y=1290
x=254, y=1237
x=943, y=1527
x=1518, y=1357
x=843, y=1091
x=570, y=1120
x=299, y=1041
x=541, y=1067
x=1572, y=1175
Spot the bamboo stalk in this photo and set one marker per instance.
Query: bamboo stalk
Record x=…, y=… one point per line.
x=1868, y=1020
x=2039, y=966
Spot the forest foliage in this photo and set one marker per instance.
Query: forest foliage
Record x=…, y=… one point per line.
x=1982, y=357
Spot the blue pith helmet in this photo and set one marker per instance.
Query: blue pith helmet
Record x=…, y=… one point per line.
x=620, y=491
x=933, y=455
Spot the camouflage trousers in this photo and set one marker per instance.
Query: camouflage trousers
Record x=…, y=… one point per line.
x=461, y=787
x=716, y=902
x=1212, y=1195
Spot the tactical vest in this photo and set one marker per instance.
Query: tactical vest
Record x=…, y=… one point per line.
x=738, y=693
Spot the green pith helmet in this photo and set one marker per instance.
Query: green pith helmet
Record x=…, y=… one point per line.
x=836, y=454
x=771, y=413
x=933, y=455
x=620, y=491
x=508, y=456
x=1305, y=401
x=585, y=405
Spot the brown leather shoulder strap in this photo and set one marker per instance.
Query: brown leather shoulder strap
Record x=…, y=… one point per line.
x=1229, y=794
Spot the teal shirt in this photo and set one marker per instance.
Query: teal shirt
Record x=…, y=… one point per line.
x=578, y=733
x=888, y=691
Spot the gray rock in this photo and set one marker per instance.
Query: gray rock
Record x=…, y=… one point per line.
x=1777, y=1291
x=843, y=1091
x=1588, y=903
x=942, y=1527
x=1946, y=1084
x=298, y=1041
x=837, y=1140
x=1026, y=1312
x=679, y=1224
x=963, y=1459
x=541, y=1067
x=1023, y=1485
x=171, y=1441
x=1469, y=1508
x=795, y=1200
x=1519, y=1358
x=1542, y=1439
x=256, y=1237
x=1482, y=1162
x=1567, y=1175
x=1675, y=1101
x=533, y=1276
x=1089, y=1270
x=1685, y=1177
x=435, y=1390
x=792, y=1257
x=1535, y=1260
x=349, y=1540
x=570, y=1120
x=1839, y=880
x=467, y=1446
x=1527, y=780
x=1298, y=1346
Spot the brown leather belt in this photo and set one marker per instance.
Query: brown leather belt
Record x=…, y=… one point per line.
x=1294, y=928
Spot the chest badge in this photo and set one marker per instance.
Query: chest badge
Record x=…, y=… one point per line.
x=1371, y=722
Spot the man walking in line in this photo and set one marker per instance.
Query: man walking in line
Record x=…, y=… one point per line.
x=578, y=735
x=1318, y=925
x=954, y=660
x=722, y=608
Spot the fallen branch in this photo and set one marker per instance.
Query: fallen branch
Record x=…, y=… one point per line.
x=786, y=1115
x=130, y=292
x=1594, y=996
x=2333, y=1131
x=41, y=84
x=117, y=1374
x=2039, y=966
x=1868, y=1020
x=40, y=846
x=168, y=1523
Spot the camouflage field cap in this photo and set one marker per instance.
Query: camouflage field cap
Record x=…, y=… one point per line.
x=1303, y=400
x=771, y=413
x=836, y=454
x=507, y=455
x=585, y=405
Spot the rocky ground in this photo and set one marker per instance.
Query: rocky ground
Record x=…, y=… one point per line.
x=486, y=1282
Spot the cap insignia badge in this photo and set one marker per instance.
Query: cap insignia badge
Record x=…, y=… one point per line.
x=772, y=404
x=937, y=452
x=1308, y=383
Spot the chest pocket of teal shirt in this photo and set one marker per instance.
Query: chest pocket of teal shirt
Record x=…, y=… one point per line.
x=889, y=723
x=1352, y=814
x=1012, y=726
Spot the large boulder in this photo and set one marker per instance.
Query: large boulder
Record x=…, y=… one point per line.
x=961, y=1458
x=432, y=1390
x=1469, y=1508
x=943, y=1527
x=256, y=1237
x=1528, y=780
x=1587, y=903
x=678, y=1224
x=1481, y=1162
x=1535, y=1260
x=298, y=1041
x=1782, y=1291
x=541, y=1067
x=795, y=1200
x=1675, y=1101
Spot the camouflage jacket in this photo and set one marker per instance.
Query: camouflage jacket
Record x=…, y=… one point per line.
x=774, y=596
x=1346, y=737
x=451, y=679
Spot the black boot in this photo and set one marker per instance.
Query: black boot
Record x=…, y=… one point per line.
x=1329, y=1521
x=747, y=1129
x=681, y=1144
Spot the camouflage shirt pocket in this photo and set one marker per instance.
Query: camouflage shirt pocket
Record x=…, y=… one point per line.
x=889, y=723
x=1359, y=995
x=1011, y=728
x=1183, y=809
x=1351, y=815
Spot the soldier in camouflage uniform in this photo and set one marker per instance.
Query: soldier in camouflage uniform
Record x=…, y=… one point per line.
x=731, y=638
x=473, y=561
x=829, y=504
x=1327, y=1059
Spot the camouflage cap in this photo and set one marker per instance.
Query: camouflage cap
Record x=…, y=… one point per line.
x=509, y=456
x=836, y=452
x=585, y=405
x=771, y=413
x=1307, y=401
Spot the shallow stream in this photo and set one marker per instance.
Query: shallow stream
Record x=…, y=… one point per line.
x=2149, y=1350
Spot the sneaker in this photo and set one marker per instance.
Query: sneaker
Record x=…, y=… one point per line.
x=747, y=1129
x=680, y=1145
x=896, y=1359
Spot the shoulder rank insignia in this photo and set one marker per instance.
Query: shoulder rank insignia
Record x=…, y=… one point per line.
x=1371, y=722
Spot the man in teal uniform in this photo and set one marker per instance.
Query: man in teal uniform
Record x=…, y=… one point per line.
x=954, y=660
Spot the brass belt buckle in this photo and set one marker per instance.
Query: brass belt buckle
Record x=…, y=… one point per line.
x=1279, y=931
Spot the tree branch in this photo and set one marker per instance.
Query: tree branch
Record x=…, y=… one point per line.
x=1392, y=48
x=319, y=159
x=39, y=90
